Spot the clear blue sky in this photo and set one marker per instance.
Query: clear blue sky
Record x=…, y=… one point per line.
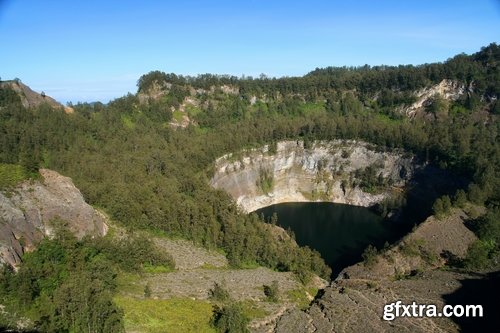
x=96, y=50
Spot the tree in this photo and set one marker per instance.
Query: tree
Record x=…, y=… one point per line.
x=441, y=206
x=29, y=155
x=438, y=106
x=460, y=199
x=230, y=319
x=478, y=255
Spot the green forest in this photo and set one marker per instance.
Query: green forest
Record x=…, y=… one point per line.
x=147, y=175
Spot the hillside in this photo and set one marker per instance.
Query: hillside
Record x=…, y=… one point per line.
x=30, y=98
x=177, y=166
x=427, y=91
x=32, y=210
x=35, y=210
x=416, y=269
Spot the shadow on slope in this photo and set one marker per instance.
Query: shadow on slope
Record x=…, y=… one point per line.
x=483, y=291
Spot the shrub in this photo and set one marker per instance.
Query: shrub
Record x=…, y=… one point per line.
x=230, y=319
x=441, y=206
x=11, y=174
x=147, y=291
x=272, y=291
x=479, y=254
x=370, y=256
x=218, y=293
x=266, y=180
x=460, y=199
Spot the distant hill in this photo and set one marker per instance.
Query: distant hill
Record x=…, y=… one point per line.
x=429, y=91
x=30, y=98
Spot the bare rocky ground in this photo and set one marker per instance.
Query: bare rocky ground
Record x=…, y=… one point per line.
x=198, y=269
x=188, y=256
x=242, y=284
x=357, y=306
x=409, y=271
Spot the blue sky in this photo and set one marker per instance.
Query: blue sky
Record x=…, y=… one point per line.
x=96, y=50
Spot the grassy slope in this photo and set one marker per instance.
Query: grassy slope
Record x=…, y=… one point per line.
x=168, y=315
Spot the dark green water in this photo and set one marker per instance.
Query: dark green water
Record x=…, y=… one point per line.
x=339, y=232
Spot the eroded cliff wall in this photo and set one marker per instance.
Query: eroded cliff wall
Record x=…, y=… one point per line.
x=26, y=213
x=326, y=171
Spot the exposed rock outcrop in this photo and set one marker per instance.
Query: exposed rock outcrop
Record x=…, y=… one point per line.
x=30, y=98
x=447, y=89
x=324, y=172
x=358, y=306
x=26, y=213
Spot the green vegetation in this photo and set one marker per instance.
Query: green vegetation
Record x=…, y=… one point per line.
x=370, y=256
x=12, y=174
x=231, y=316
x=485, y=252
x=178, y=115
x=128, y=122
x=146, y=175
x=460, y=199
x=172, y=315
x=371, y=181
x=64, y=286
x=64, y=273
x=136, y=253
x=411, y=247
x=301, y=295
x=252, y=310
x=272, y=291
x=218, y=293
x=147, y=291
x=442, y=206
x=129, y=282
x=266, y=180
x=416, y=247
x=230, y=319
x=148, y=268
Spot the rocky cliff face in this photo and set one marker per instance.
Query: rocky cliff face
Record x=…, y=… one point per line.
x=324, y=172
x=26, y=213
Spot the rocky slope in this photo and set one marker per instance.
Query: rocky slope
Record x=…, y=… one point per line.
x=427, y=247
x=354, y=302
x=197, y=270
x=324, y=172
x=27, y=212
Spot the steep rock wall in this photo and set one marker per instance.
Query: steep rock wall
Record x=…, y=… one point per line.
x=324, y=172
x=26, y=212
